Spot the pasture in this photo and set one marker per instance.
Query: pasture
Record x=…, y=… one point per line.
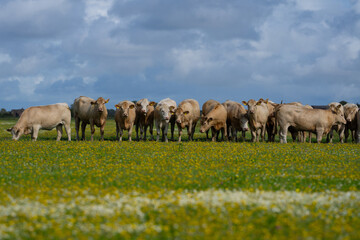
x=188, y=190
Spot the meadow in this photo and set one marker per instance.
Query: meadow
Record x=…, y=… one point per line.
x=188, y=190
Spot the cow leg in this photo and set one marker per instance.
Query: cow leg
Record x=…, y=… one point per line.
x=35, y=132
x=253, y=135
x=234, y=135
x=68, y=130
x=145, y=129
x=180, y=132
x=213, y=134
x=77, y=125
x=151, y=131
x=193, y=131
x=137, y=131
x=165, y=132
x=189, y=130
x=225, y=133
x=59, y=132
x=83, y=126
x=329, y=137
x=341, y=133
x=120, y=134
x=283, y=133
x=102, y=131
x=207, y=135
x=142, y=132
x=157, y=131
x=117, y=130
x=172, y=129
x=243, y=133
x=130, y=132
x=92, y=127
x=309, y=137
x=319, y=134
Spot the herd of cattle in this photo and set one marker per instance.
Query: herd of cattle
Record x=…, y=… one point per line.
x=228, y=118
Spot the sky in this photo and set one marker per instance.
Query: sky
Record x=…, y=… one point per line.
x=285, y=50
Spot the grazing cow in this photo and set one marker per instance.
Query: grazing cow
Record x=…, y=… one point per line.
x=124, y=118
x=258, y=114
x=187, y=115
x=144, y=118
x=339, y=128
x=206, y=108
x=236, y=119
x=45, y=117
x=351, y=112
x=90, y=111
x=318, y=121
x=164, y=114
x=216, y=120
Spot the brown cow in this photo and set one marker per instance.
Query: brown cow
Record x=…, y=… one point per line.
x=144, y=118
x=92, y=112
x=318, y=121
x=206, y=108
x=216, y=120
x=45, y=117
x=258, y=114
x=236, y=119
x=187, y=115
x=124, y=118
x=350, y=111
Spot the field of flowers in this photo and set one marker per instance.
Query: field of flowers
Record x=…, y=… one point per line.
x=191, y=190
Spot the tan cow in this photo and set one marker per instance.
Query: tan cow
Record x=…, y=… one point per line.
x=45, y=117
x=187, y=115
x=216, y=120
x=350, y=111
x=144, y=117
x=164, y=114
x=206, y=108
x=339, y=128
x=258, y=114
x=271, y=127
x=125, y=118
x=90, y=111
x=236, y=119
x=318, y=121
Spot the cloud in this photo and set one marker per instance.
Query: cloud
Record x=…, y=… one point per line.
x=291, y=50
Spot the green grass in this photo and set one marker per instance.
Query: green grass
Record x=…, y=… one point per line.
x=191, y=190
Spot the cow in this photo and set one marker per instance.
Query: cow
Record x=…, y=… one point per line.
x=258, y=114
x=318, y=121
x=216, y=120
x=144, y=117
x=206, y=108
x=236, y=119
x=125, y=118
x=90, y=111
x=271, y=127
x=164, y=115
x=45, y=117
x=339, y=128
x=187, y=115
x=351, y=114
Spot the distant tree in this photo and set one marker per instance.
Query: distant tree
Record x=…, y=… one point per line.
x=343, y=102
x=111, y=113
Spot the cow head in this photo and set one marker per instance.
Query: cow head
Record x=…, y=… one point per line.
x=166, y=111
x=124, y=108
x=350, y=111
x=17, y=132
x=142, y=106
x=243, y=120
x=181, y=117
x=99, y=104
x=252, y=105
x=206, y=123
x=339, y=115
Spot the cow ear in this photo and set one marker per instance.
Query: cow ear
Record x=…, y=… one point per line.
x=138, y=104
x=258, y=102
x=92, y=103
x=152, y=103
x=267, y=100
x=9, y=129
x=171, y=108
x=210, y=119
x=186, y=112
x=117, y=106
x=107, y=100
x=132, y=106
x=245, y=103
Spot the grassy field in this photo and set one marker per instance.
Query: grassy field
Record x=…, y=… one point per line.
x=191, y=190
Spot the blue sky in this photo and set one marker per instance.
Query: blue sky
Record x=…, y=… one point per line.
x=290, y=50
